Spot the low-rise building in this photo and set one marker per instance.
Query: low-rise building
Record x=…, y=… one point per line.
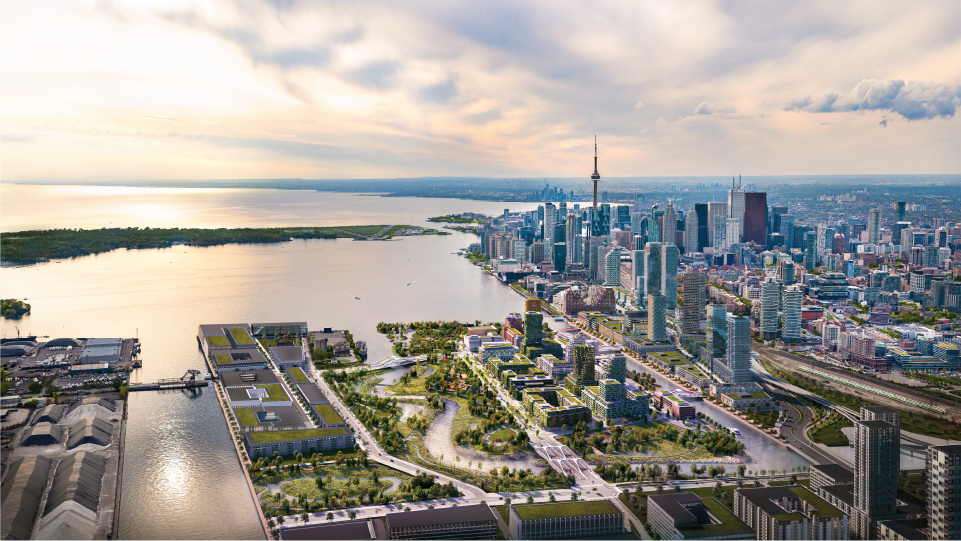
x=687, y=516
x=261, y=443
x=717, y=389
x=693, y=376
x=287, y=356
x=462, y=522
x=555, y=367
x=829, y=474
x=673, y=405
x=667, y=360
x=502, y=351
x=758, y=401
x=569, y=520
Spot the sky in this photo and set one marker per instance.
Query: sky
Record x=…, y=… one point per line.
x=169, y=90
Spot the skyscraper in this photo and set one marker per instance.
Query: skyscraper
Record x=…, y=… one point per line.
x=656, y=318
x=877, y=463
x=660, y=271
x=735, y=207
x=792, y=312
x=811, y=252
x=718, y=239
x=693, y=284
x=703, y=236
x=637, y=264
x=550, y=218
x=755, y=218
x=787, y=230
x=533, y=328
x=612, y=265
x=900, y=206
x=583, y=374
x=874, y=226
x=739, y=350
x=732, y=232
x=669, y=233
x=691, y=232
x=770, y=302
x=716, y=210
x=601, y=221
x=716, y=339
x=560, y=256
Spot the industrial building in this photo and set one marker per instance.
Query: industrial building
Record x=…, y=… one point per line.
x=462, y=522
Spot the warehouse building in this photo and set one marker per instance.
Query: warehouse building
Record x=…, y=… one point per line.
x=463, y=522
x=570, y=520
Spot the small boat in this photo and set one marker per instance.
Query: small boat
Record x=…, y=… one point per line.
x=358, y=298
x=409, y=283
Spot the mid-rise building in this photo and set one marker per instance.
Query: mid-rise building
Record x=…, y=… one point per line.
x=461, y=522
x=789, y=512
x=687, y=516
x=568, y=520
x=943, y=475
x=583, y=374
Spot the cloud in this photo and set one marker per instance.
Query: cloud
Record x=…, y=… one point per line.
x=17, y=138
x=706, y=108
x=913, y=100
x=438, y=94
x=640, y=105
x=884, y=121
x=483, y=118
x=378, y=75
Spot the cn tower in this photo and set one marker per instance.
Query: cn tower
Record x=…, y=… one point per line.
x=596, y=176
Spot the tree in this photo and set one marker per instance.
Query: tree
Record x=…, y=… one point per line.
x=330, y=516
x=280, y=520
x=550, y=497
x=573, y=496
x=352, y=514
x=741, y=468
x=793, y=479
x=507, y=500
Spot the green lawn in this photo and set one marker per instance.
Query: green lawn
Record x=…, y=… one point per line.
x=504, y=434
x=558, y=510
x=504, y=512
x=393, y=231
x=329, y=414
x=298, y=375
x=831, y=434
x=217, y=340
x=223, y=358
x=246, y=416
x=290, y=435
x=275, y=391
x=826, y=510
x=241, y=337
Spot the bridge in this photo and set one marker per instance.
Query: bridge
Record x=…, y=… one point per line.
x=187, y=381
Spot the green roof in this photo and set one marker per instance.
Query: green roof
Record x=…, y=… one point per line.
x=275, y=392
x=760, y=394
x=223, y=358
x=784, y=517
x=241, y=338
x=825, y=510
x=729, y=522
x=291, y=435
x=557, y=510
x=329, y=414
x=217, y=340
x=246, y=416
x=298, y=375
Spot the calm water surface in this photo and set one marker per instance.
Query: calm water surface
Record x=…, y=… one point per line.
x=181, y=478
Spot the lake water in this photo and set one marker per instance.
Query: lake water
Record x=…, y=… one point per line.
x=181, y=478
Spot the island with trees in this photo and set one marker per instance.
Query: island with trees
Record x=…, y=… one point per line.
x=27, y=247
x=13, y=308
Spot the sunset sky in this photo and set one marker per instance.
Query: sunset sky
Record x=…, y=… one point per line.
x=142, y=90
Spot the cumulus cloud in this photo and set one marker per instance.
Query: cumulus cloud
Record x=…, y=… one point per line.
x=640, y=105
x=707, y=108
x=913, y=100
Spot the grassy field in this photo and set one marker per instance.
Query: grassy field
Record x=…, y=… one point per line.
x=288, y=435
x=246, y=416
x=393, y=231
x=218, y=340
x=329, y=415
x=276, y=392
x=223, y=358
x=298, y=375
x=504, y=434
